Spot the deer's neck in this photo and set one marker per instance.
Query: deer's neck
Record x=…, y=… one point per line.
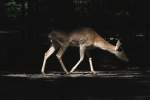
x=104, y=45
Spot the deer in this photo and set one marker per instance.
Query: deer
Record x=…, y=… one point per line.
x=82, y=38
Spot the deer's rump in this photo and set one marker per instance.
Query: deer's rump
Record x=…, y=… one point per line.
x=58, y=37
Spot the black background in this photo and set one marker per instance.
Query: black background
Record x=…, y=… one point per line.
x=23, y=41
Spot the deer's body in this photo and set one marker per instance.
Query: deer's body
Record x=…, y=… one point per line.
x=74, y=38
x=82, y=38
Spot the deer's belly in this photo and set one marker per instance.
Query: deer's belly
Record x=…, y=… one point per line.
x=80, y=42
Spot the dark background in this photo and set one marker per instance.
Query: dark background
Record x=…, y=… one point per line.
x=25, y=24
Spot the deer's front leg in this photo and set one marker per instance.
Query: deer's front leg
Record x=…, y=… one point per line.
x=91, y=66
x=46, y=56
x=59, y=56
x=82, y=50
x=90, y=62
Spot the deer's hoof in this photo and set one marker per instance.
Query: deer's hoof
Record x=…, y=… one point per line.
x=71, y=71
x=67, y=73
x=93, y=72
x=43, y=74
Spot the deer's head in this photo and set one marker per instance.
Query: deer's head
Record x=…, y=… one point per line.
x=119, y=52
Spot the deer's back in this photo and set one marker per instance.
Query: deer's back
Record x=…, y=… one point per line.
x=76, y=37
x=84, y=36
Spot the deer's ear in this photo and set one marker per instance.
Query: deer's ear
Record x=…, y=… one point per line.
x=118, y=44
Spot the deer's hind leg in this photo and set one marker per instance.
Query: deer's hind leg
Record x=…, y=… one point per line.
x=46, y=56
x=59, y=56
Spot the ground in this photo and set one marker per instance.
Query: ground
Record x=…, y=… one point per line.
x=105, y=85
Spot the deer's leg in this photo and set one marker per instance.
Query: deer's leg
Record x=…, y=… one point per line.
x=59, y=56
x=46, y=56
x=90, y=62
x=82, y=50
x=91, y=66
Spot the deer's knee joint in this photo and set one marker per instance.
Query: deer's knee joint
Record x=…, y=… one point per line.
x=81, y=58
x=45, y=54
x=58, y=56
